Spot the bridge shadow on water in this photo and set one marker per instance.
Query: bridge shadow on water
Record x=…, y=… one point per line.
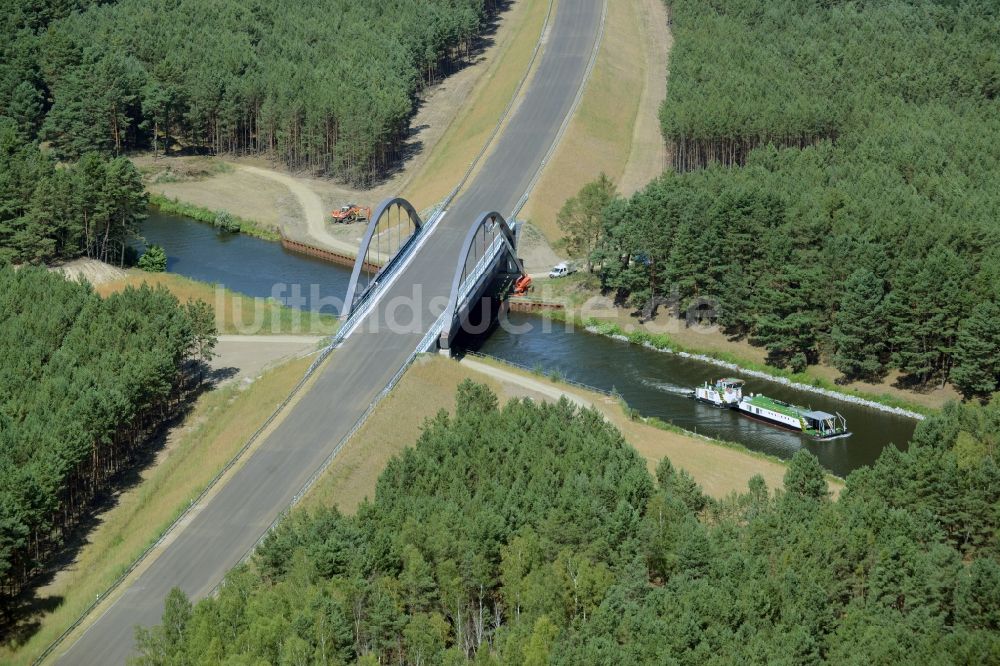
x=486, y=315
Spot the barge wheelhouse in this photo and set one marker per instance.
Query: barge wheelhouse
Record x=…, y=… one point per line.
x=726, y=392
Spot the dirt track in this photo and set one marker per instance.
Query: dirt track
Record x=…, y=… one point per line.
x=300, y=204
x=245, y=357
x=312, y=208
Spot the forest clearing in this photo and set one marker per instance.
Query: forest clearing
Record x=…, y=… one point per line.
x=458, y=113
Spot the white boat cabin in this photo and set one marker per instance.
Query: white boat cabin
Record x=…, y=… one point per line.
x=726, y=392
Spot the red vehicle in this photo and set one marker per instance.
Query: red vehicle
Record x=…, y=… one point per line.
x=351, y=213
x=522, y=286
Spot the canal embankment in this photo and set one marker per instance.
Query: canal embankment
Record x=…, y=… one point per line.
x=665, y=346
x=670, y=333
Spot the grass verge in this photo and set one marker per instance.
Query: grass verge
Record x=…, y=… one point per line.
x=473, y=125
x=599, y=138
x=235, y=314
x=835, y=482
x=175, y=207
x=216, y=428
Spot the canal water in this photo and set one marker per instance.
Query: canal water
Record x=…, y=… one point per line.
x=652, y=382
x=245, y=264
x=658, y=384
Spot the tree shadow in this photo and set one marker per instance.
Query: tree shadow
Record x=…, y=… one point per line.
x=23, y=620
x=411, y=147
x=914, y=383
x=219, y=375
x=27, y=609
x=190, y=151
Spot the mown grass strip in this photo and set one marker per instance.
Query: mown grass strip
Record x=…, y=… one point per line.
x=235, y=313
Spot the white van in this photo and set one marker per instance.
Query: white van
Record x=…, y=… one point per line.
x=562, y=270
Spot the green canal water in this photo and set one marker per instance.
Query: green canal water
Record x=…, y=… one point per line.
x=653, y=382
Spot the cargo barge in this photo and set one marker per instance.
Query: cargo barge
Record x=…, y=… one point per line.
x=728, y=393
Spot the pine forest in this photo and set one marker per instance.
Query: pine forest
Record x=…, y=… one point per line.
x=835, y=194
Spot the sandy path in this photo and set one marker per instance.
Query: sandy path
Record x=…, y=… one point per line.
x=299, y=204
x=244, y=357
x=268, y=339
x=546, y=388
x=312, y=208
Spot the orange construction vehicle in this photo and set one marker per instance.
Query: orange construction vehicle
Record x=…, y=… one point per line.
x=523, y=285
x=351, y=213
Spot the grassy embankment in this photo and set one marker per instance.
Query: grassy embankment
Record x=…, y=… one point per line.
x=600, y=136
x=429, y=386
x=236, y=314
x=218, y=425
x=471, y=128
x=164, y=173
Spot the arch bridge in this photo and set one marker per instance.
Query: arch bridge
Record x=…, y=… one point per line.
x=488, y=253
x=487, y=262
x=391, y=234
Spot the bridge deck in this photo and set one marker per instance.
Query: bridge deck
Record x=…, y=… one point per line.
x=220, y=532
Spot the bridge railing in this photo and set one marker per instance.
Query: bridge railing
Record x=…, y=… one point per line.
x=477, y=272
x=427, y=342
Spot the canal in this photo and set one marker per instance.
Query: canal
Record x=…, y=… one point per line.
x=658, y=384
x=249, y=265
x=652, y=382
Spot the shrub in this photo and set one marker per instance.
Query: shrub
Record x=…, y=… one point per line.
x=153, y=260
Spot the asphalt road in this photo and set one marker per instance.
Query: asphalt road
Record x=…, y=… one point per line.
x=226, y=527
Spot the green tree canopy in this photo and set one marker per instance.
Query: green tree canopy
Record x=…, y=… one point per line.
x=531, y=533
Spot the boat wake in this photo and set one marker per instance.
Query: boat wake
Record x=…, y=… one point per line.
x=668, y=388
x=830, y=439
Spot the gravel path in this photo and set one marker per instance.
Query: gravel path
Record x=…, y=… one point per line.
x=312, y=206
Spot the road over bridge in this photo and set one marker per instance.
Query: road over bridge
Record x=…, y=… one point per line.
x=219, y=533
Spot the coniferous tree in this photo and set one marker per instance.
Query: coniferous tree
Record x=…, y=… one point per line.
x=464, y=560
x=977, y=352
x=581, y=219
x=63, y=438
x=820, y=170
x=805, y=478
x=859, y=331
x=153, y=260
